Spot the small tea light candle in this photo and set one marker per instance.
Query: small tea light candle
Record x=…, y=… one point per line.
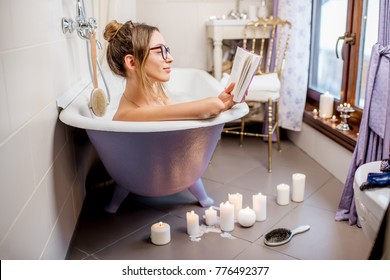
x=236, y=200
x=160, y=233
x=246, y=217
x=226, y=219
x=192, y=223
x=333, y=119
x=211, y=216
x=283, y=197
x=315, y=112
x=298, y=187
x=259, y=205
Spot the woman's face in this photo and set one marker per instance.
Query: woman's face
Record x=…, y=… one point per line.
x=157, y=68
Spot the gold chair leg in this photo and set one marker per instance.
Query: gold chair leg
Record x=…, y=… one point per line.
x=277, y=125
x=242, y=131
x=270, y=135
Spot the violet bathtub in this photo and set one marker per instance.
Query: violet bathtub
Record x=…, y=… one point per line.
x=154, y=158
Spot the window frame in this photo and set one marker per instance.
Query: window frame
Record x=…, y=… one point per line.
x=348, y=89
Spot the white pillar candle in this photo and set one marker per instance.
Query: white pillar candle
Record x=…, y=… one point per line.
x=160, y=233
x=283, y=191
x=211, y=216
x=259, y=205
x=236, y=200
x=226, y=219
x=326, y=105
x=246, y=217
x=298, y=187
x=192, y=223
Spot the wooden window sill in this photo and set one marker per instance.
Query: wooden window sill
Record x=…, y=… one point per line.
x=347, y=139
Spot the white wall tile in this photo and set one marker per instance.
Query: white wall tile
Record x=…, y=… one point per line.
x=36, y=22
x=30, y=232
x=38, y=63
x=62, y=177
x=48, y=137
x=7, y=34
x=5, y=124
x=58, y=243
x=17, y=179
x=29, y=83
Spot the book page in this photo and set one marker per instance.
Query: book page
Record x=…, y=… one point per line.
x=244, y=67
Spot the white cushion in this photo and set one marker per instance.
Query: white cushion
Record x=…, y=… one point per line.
x=261, y=88
x=265, y=82
x=261, y=96
x=264, y=87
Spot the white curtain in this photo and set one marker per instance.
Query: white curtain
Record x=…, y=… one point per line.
x=106, y=10
x=295, y=75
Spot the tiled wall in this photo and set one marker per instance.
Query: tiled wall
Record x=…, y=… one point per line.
x=41, y=193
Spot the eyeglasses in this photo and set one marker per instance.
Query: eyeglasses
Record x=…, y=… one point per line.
x=164, y=51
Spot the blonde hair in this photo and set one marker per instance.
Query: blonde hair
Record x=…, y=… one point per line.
x=131, y=38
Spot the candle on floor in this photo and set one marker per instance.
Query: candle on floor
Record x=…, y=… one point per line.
x=226, y=219
x=259, y=205
x=211, y=216
x=160, y=233
x=326, y=105
x=298, y=187
x=192, y=223
x=283, y=197
x=236, y=200
x=246, y=217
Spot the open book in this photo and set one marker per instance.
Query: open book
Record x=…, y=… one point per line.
x=244, y=67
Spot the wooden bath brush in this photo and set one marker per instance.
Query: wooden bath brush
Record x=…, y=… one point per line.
x=98, y=100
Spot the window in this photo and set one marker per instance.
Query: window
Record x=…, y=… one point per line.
x=343, y=33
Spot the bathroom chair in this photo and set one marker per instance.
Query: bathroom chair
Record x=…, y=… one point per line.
x=264, y=91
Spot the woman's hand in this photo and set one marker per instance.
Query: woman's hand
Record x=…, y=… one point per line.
x=226, y=97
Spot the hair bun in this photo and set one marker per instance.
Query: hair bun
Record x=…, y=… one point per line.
x=111, y=30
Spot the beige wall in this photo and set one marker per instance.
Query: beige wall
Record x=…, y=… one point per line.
x=183, y=24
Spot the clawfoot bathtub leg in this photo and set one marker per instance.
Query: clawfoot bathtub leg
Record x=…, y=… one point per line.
x=197, y=189
x=119, y=195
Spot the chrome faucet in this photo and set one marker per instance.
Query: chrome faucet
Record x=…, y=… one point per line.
x=84, y=26
x=237, y=14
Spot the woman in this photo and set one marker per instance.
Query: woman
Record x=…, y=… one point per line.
x=138, y=53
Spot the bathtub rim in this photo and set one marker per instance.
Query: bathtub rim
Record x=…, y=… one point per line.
x=71, y=115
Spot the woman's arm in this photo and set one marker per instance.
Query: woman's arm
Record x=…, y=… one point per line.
x=200, y=109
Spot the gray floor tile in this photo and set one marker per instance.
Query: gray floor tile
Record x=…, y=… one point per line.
x=126, y=235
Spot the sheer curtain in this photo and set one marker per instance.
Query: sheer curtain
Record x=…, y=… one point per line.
x=295, y=74
x=296, y=69
x=104, y=11
x=373, y=142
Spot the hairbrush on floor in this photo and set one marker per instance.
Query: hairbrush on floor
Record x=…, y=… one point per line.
x=281, y=236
